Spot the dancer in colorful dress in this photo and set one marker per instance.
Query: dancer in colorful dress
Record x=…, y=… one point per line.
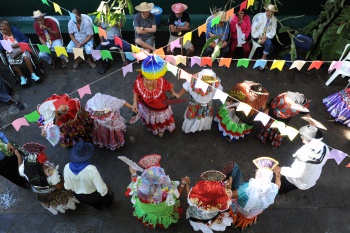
x=73, y=121
x=45, y=180
x=282, y=108
x=235, y=125
x=109, y=125
x=199, y=113
x=338, y=106
x=209, y=202
x=150, y=89
x=253, y=197
x=154, y=196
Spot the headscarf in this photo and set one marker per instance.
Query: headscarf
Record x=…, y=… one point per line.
x=261, y=191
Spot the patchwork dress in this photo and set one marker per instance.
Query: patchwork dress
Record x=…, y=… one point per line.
x=338, y=105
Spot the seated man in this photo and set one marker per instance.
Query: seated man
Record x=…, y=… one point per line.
x=145, y=26
x=109, y=43
x=5, y=96
x=82, y=36
x=264, y=29
x=49, y=34
x=179, y=24
x=221, y=29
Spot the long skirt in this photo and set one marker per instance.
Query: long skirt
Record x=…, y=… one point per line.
x=104, y=136
x=157, y=121
x=231, y=125
x=198, y=117
x=338, y=105
x=57, y=201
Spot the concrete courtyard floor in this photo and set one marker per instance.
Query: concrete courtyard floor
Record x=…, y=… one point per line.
x=324, y=208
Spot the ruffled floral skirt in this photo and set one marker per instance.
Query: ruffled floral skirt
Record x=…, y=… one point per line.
x=198, y=117
x=103, y=136
x=338, y=105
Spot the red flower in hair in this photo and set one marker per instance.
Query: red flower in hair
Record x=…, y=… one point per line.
x=41, y=158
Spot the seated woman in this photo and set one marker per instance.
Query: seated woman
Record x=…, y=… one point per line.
x=338, y=106
x=154, y=196
x=15, y=36
x=45, y=180
x=240, y=27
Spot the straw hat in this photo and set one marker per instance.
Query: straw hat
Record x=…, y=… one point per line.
x=309, y=132
x=222, y=15
x=144, y=6
x=37, y=14
x=208, y=76
x=271, y=8
x=178, y=8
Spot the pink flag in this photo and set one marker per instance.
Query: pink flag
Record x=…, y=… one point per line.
x=140, y=56
x=185, y=75
x=118, y=41
x=195, y=60
x=25, y=47
x=84, y=90
x=7, y=45
x=337, y=155
x=96, y=54
x=127, y=69
x=335, y=65
x=175, y=44
x=171, y=59
x=20, y=122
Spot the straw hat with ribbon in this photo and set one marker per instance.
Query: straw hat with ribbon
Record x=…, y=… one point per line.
x=178, y=8
x=37, y=14
x=144, y=6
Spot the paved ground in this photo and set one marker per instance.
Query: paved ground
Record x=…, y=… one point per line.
x=324, y=208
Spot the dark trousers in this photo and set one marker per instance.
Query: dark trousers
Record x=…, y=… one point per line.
x=286, y=186
x=9, y=170
x=96, y=200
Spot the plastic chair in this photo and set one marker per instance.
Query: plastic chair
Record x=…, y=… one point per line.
x=344, y=70
x=255, y=44
x=303, y=44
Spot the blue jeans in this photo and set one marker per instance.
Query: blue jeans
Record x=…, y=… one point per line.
x=87, y=47
x=268, y=47
x=46, y=56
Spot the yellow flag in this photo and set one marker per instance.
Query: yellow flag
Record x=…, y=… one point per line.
x=135, y=49
x=60, y=50
x=278, y=64
x=180, y=59
x=187, y=36
x=250, y=3
x=57, y=8
x=78, y=52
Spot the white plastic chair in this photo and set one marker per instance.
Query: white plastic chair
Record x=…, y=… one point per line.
x=344, y=70
x=255, y=45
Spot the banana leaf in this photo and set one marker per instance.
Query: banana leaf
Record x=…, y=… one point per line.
x=211, y=39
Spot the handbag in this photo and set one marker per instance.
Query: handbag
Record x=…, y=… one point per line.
x=15, y=53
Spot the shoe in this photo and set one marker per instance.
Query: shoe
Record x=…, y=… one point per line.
x=35, y=77
x=24, y=81
x=19, y=105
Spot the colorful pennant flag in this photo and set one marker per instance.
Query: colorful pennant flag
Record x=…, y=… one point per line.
x=106, y=54
x=32, y=117
x=348, y=165
x=201, y=29
x=95, y=29
x=335, y=65
x=243, y=6
x=264, y=118
x=244, y=107
x=206, y=61
x=57, y=8
x=173, y=69
x=225, y=62
x=222, y=96
x=118, y=41
x=60, y=51
x=215, y=21
x=316, y=65
x=102, y=32
x=250, y=3
x=180, y=59
x=25, y=47
x=260, y=63
x=135, y=49
x=175, y=44
x=96, y=54
x=202, y=85
x=243, y=62
x=45, y=2
x=140, y=56
x=78, y=52
x=127, y=69
x=171, y=59
x=19, y=122
x=129, y=56
x=297, y=64
x=279, y=125
x=290, y=132
x=84, y=90
x=337, y=155
x=185, y=75
x=72, y=16
x=43, y=48
x=229, y=13
x=278, y=64
x=195, y=60
x=7, y=45
x=159, y=52
x=187, y=36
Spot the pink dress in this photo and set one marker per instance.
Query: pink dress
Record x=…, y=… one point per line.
x=109, y=124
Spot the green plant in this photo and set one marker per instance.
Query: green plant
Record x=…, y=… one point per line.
x=112, y=12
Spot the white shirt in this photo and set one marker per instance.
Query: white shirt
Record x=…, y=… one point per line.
x=259, y=23
x=302, y=174
x=86, y=182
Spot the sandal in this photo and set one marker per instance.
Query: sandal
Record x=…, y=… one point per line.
x=64, y=64
x=53, y=63
x=77, y=64
x=19, y=105
x=92, y=64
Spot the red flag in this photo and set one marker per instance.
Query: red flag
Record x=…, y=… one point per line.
x=118, y=41
x=243, y=6
x=25, y=47
x=316, y=65
x=206, y=61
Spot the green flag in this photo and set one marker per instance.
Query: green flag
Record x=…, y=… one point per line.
x=44, y=48
x=215, y=21
x=95, y=29
x=243, y=62
x=106, y=54
x=32, y=117
x=45, y=2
